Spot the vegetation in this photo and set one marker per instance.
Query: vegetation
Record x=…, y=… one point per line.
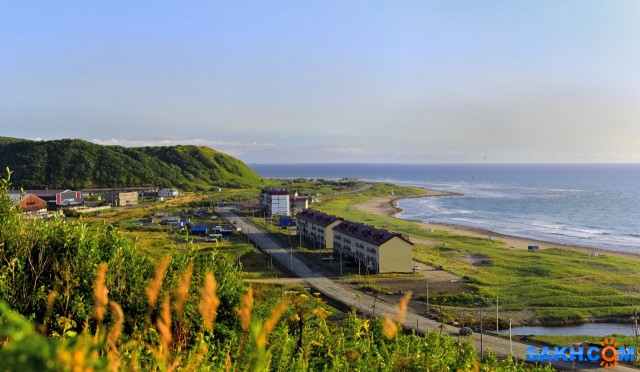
x=82, y=297
x=550, y=286
x=75, y=164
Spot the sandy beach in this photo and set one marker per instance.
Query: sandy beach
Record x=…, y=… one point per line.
x=388, y=206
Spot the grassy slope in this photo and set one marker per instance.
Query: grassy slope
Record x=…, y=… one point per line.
x=556, y=285
x=80, y=164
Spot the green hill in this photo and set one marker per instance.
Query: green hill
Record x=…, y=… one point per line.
x=75, y=164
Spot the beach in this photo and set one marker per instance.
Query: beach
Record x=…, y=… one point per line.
x=388, y=206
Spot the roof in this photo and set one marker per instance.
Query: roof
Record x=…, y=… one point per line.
x=275, y=191
x=317, y=217
x=42, y=193
x=367, y=233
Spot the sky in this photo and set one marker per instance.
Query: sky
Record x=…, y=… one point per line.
x=537, y=81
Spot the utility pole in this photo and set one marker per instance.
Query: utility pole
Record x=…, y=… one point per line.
x=427, y=295
x=497, y=318
x=635, y=351
x=481, y=345
x=510, y=346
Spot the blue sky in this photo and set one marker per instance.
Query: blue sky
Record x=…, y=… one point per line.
x=330, y=81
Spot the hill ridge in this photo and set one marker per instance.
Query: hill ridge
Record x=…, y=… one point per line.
x=77, y=164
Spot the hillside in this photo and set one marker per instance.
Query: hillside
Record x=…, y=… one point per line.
x=72, y=163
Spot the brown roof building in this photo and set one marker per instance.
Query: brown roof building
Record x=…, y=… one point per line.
x=30, y=203
x=380, y=250
x=317, y=227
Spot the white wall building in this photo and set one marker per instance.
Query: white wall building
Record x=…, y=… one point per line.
x=275, y=202
x=168, y=193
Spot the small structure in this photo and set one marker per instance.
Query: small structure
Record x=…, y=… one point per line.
x=199, y=230
x=168, y=193
x=533, y=248
x=299, y=204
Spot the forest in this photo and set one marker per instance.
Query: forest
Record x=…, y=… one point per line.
x=78, y=164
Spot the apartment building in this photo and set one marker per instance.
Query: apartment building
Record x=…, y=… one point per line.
x=275, y=202
x=380, y=250
x=317, y=227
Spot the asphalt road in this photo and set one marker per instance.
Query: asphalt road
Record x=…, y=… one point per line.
x=369, y=305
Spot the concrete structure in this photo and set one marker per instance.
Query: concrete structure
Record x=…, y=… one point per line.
x=275, y=202
x=168, y=193
x=380, y=250
x=317, y=227
x=29, y=203
x=121, y=198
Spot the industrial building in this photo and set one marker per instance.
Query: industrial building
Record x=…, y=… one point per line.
x=121, y=198
x=29, y=203
x=317, y=227
x=56, y=199
x=380, y=250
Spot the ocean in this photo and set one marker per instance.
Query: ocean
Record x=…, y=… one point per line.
x=595, y=205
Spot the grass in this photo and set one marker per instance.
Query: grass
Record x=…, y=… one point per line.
x=556, y=285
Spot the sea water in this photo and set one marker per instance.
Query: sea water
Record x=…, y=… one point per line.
x=596, y=205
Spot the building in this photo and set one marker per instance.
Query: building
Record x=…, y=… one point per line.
x=168, y=193
x=275, y=202
x=317, y=227
x=57, y=199
x=29, y=203
x=298, y=204
x=380, y=250
x=121, y=198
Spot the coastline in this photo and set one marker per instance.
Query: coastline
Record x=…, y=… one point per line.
x=388, y=206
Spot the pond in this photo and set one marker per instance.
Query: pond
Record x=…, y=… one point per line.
x=589, y=329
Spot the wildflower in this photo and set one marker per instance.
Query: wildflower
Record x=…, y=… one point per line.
x=210, y=302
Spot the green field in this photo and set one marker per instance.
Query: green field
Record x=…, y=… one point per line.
x=553, y=286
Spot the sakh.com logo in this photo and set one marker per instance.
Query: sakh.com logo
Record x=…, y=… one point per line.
x=608, y=354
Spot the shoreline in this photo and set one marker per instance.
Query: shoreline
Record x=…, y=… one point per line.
x=388, y=207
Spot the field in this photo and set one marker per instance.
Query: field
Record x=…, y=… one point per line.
x=550, y=286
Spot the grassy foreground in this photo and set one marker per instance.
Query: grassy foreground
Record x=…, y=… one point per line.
x=551, y=286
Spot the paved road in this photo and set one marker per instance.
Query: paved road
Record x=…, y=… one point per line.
x=377, y=307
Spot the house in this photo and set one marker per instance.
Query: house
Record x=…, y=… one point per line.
x=380, y=250
x=168, y=193
x=317, y=227
x=299, y=204
x=121, y=198
x=275, y=202
x=29, y=203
